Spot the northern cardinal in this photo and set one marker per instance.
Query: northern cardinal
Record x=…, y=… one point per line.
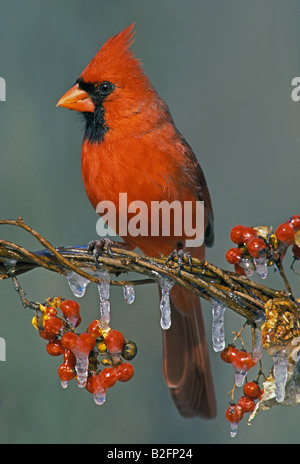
x=132, y=145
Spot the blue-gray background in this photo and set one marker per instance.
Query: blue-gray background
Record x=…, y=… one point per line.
x=225, y=69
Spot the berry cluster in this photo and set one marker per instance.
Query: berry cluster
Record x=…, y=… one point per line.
x=258, y=247
x=95, y=358
x=246, y=404
x=242, y=362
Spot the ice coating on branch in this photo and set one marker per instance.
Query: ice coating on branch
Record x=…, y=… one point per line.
x=165, y=286
x=280, y=360
x=247, y=265
x=261, y=266
x=258, y=348
x=77, y=284
x=129, y=293
x=218, y=336
x=104, y=293
x=10, y=264
x=82, y=364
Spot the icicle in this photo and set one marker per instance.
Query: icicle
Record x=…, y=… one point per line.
x=100, y=397
x=10, y=264
x=64, y=384
x=261, y=266
x=239, y=376
x=280, y=374
x=82, y=364
x=77, y=284
x=165, y=308
x=247, y=265
x=218, y=337
x=129, y=293
x=258, y=348
x=233, y=429
x=104, y=293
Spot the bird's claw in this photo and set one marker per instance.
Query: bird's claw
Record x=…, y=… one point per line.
x=181, y=255
x=96, y=247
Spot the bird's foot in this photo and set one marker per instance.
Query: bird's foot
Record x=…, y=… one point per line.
x=182, y=257
x=96, y=247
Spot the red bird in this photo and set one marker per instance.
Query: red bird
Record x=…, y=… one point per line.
x=132, y=145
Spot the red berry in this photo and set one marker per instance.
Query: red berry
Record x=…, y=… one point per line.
x=94, y=329
x=236, y=234
x=248, y=234
x=108, y=376
x=247, y=404
x=68, y=340
x=243, y=360
x=239, y=270
x=296, y=251
x=84, y=344
x=252, y=390
x=256, y=247
x=70, y=308
x=47, y=335
x=94, y=384
x=114, y=341
x=228, y=354
x=69, y=358
x=285, y=233
x=51, y=311
x=124, y=372
x=54, y=348
x=295, y=222
x=234, y=413
x=53, y=325
x=66, y=372
x=233, y=255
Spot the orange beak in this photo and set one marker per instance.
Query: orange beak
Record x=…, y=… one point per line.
x=77, y=99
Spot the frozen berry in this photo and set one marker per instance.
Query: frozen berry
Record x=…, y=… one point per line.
x=285, y=233
x=94, y=329
x=239, y=270
x=248, y=234
x=70, y=308
x=124, y=372
x=69, y=358
x=236, y=234
x=66, y=372
x=108, y=376
x=228, y=354
x=115, y=341
x=68, y=340
x=242, y=360
x=256, y=247
x=295, y=222
x=247, y=404
x=54, y=348
x=234, y=413
x=252, y=390
x=84, y=344
x=233, y=255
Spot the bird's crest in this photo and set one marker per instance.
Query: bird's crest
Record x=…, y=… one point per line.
x=113, y=57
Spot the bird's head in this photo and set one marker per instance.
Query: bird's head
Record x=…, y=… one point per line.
x=111, y=89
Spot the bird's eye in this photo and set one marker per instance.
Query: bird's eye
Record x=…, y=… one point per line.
x=106, y=88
